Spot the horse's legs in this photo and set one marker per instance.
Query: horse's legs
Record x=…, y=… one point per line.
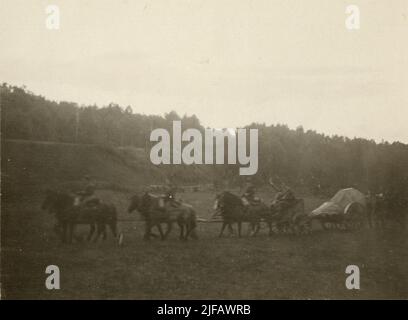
x=113, y=227
x=191, y=228
x=224, y=224
x=169, y=228
x=230, y=229
x=188, y=230
x=101, y=227
x=181, y=226
x=160, y=231
x=270, y=228
x=239, y=228
x=192, y=231
x=91, y=231
x=99, y=230
x=257, y=227
x=252, y=227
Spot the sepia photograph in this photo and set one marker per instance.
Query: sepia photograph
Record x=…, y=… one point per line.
x=206, y=150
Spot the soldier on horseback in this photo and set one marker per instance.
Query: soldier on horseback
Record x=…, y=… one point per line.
x=86, y=196
x=285, y=197
x=249, y=196
x=169, y=199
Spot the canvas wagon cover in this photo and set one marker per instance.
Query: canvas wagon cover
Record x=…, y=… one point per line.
x=339, y=202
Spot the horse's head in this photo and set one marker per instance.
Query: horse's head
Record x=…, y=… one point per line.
x=140, y=202
x=219, y=201
x=135, y=202
x=226, y=202
x=56, y=201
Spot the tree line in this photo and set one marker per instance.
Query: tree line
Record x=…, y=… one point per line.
x=298, y=158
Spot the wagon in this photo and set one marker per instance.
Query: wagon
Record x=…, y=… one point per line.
x=345, y=210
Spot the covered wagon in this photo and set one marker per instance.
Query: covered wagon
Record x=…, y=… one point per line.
x=346, y=209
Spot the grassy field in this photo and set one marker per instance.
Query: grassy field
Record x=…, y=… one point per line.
x=278, y=267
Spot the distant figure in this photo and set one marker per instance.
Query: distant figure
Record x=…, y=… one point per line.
x=284, y=197
x=249, y=196
x=170, y=195
x=86, y=195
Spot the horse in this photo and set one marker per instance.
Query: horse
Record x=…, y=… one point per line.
x=232, y=210
x=154, y=212
x=68, y=215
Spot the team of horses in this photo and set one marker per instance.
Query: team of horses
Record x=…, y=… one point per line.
x=278, y=216
x=155, y=214
x=101, y=215
x=68, y=215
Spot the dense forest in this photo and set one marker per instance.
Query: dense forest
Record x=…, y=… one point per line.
x=300, y=158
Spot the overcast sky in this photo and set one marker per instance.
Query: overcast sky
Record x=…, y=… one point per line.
x=230, y=62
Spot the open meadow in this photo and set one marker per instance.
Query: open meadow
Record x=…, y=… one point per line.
x=278, y=267
x=133, y=116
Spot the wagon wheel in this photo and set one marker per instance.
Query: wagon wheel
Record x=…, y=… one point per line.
x=354, y=216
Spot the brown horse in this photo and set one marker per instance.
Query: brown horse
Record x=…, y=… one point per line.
x=154, y=212
x=232, y=210
x=68, y=215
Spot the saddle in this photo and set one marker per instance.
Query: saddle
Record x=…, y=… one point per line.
x=86, y=202
x=165, y=201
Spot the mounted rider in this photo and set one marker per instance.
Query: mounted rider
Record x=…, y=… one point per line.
x=284, y=197
x=86, y=197
x=249, y=196
x=169, y=198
